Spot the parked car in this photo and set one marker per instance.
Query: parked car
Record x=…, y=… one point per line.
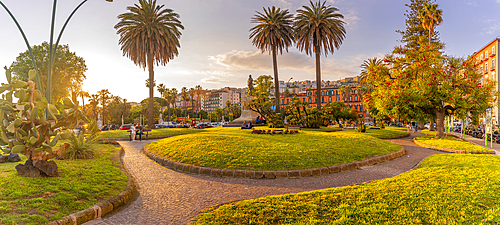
x=202, y=126
x=125, y=127
x=371, y=124
x=160, y=126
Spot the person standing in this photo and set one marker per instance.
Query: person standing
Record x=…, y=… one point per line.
x=132, y=131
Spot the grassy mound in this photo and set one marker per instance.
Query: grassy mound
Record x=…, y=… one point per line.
x=25, y=200
x=452, y=143
x=446, y=189
x=233, y=148
x=387, y=132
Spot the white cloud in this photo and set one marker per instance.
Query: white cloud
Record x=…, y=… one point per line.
x=350, y=18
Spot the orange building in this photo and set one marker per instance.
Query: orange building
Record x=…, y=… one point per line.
x=328, y=94
x=486, y=62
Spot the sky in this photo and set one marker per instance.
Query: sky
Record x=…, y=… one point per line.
x=215, y=47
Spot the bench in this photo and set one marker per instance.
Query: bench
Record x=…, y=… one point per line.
x=293, y=126
x=144, y=132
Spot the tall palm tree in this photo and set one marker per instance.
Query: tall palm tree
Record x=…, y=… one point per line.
x=185, y=98
x=168, y=98
x=345, y=92
x=161, y=88
x=149, y=34
x=430, y=16
x=174, y=94
x=318, y=27
x=198, y=91
x=94, y=101
x=273, y=32
x=368, y=67
x=192, y=93
x=84, y=94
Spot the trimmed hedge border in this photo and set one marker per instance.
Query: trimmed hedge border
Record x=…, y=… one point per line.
x=213, y=172
x=450, y=149
x=103, y=207
x=397, y=137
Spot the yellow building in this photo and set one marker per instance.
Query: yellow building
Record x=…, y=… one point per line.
x=486, y=62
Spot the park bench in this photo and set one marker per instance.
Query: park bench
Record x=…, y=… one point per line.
x=293, y=126
x=145, y=132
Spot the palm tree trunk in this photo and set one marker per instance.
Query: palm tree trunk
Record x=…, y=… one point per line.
x=276, y=81
x=151, y=90
x=318, y=77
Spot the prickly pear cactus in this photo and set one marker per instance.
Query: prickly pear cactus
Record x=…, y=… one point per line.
x=32, y=126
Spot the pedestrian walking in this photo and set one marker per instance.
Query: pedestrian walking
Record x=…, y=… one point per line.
x=132, y=132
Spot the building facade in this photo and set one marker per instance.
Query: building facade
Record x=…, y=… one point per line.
x=218, y=98
x=486, y=63
x=328, y=94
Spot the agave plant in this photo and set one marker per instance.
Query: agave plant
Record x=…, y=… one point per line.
x=32, y=126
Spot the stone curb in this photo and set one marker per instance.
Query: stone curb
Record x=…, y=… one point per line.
x=103, y=207
x=213, y=172
x=450, y=149
x=397, y=137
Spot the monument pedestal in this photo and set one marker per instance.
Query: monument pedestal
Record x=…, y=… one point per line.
x=246, y=115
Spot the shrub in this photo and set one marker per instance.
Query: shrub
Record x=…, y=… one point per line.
x=361, y=128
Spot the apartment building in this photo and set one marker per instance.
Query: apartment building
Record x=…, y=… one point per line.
x=486, y=62
x=218, y=98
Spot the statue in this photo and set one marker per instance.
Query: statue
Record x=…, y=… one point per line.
x=250, y=85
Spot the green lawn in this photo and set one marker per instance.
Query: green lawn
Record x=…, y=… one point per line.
x=320, y=129
x=153, y=133
x=25, y=200
x=233, y=148
x=387, y=132
x=452, y=143
x=446, y=189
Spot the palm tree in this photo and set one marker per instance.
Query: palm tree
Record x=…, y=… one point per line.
x=430, y=16
x=192, y=93
x=148, y=83
x=161, y=88
x=84, y=94
x=94, y=101
x=149, y=34
x=198, y=91
x=318, y=27
x=272, y=33
x=185, y=98
x=367, y=68
x=345, y=92
x=174, y=94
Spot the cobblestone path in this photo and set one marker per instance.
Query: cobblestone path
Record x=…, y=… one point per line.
x=169, y=197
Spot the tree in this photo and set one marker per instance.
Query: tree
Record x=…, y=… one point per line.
x=161, y=88
x=68, y=71
x=345, y=92
x=272, y=33
x=367, y=66
x=192, y=93
x=84, y=94
x=414, y=29
x=185, y=98
x=94, y=102
x=198, y=90
x=318, y=28
x=430, y=16
x=104, y=99
x=149, y=34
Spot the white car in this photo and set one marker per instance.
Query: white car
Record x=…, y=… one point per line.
x=370, y=124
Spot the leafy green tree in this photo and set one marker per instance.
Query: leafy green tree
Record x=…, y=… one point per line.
x=68, y=71
x=318, y=28
x=345, y=92
x=272, y=33
x=149, y=34
x=262, y=104
x=414, y=28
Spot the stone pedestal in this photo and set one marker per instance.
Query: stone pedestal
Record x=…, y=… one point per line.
x=246, y=115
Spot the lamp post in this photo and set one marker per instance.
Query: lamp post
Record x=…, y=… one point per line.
x=52, y=48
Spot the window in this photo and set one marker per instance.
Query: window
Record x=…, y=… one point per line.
x=350, y=98
x=355, y=98
x=282, y=101
x=303, y=99
x=315, y=93
x=322, y=99
x=481, y=57
x=309, y=100
x=322, y=93
x=337, y=92
x=486, y=54
x=493, y=50
x=481, y=69
x=492, y=64
x=337, y=98
x=330, y=99
x=360, y=108
x=477, y=60
x=485, y=67
x=287, y=102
